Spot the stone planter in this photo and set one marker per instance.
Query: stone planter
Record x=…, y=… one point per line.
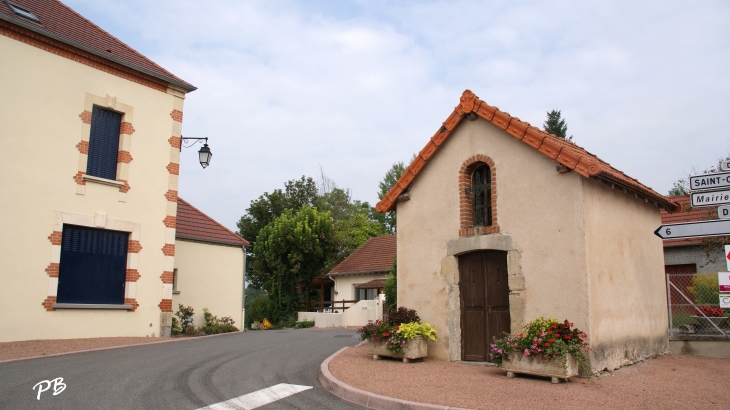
x=705, y=323
x=535, y=366
x=414, y=349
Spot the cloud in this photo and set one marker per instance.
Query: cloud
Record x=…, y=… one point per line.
x=285, y=87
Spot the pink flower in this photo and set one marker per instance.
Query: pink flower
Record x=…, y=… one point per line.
x=527, y=352
x=499, y=351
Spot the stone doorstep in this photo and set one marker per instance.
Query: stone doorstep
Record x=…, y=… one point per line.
x=367, y=399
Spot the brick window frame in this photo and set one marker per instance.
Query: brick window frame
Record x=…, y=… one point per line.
x=124, y=156
x=466, y=203
x=98, y=220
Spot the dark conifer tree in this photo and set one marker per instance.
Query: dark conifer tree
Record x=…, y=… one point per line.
x=556, y=125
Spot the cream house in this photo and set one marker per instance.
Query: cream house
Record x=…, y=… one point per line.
x=90, y=190
x=209, y=270
x=362, y=275
x=500, y=223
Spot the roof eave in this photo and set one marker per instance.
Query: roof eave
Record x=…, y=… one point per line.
x=211, y=241
x=183, y=85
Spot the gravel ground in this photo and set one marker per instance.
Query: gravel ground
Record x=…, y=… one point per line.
x=668, y=382
x=33, y=348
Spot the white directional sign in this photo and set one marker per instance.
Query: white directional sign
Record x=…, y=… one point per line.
x=710, y=198
x=723, y=212
x=709, y=181
x=723, y=281
x=725, y=300
x=694, y=229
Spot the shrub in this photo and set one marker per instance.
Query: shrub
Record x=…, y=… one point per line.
x=305, y=324
x=403, y=315
x=259, y=310
x=175, y=329
x=411, y=330
x=186, y=315
x=391, y=286
x=704, y=289
x=712, y=311
x=213, y=325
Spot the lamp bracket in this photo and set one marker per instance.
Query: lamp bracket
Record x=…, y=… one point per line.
x=193, y=141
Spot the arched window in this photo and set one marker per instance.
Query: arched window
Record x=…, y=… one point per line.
x=481, y=189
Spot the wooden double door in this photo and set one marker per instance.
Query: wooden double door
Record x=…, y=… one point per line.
x=484, y=302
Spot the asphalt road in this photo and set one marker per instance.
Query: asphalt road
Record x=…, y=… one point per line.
x=188, y=374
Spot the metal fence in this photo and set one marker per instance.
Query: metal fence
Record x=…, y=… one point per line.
x=694, y=306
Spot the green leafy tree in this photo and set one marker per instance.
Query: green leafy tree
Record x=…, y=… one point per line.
x=296, y=193
x=292, y=249
x=556, y=125
x=391, y=286
x=388, y=220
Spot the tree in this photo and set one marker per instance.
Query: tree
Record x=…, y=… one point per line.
x=391, y=286
x=266, y=208
x=292, y=249
x=391, y=177
x=556, y=125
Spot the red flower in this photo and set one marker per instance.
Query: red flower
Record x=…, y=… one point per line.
x=567, y=337
x=385, y=334
x=555, y=325
x=547, y=344
x=550, y=332
x=551, y=340
x=584, y=335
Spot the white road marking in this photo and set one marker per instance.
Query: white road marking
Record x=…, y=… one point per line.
x=258, y=398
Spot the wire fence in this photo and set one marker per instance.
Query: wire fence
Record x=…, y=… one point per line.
x=694, y=306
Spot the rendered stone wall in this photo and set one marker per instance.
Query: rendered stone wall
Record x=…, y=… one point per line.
x=681, y=255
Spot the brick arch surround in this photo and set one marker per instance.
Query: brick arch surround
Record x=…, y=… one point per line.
x=466, y=211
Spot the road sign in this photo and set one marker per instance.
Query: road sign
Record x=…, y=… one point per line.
x=709, y=181
x=694, y=229
x=725, y=300
x=727, y=256
x=723, y=212
x=710, y=198
x=723, y=281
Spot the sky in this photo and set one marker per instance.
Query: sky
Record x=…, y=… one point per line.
x=286, y=88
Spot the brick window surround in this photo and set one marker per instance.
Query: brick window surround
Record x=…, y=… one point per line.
x=98, y=220
x=124, y=157
x=466, y=201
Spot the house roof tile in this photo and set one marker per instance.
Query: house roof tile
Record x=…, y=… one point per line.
x=195, y=225
x=375, y=255
x=564, y=152
x=60, y=21
x=686, y=213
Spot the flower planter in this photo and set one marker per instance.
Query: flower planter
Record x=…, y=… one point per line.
x=414, y=349
x=706, y=323
x=535, y=366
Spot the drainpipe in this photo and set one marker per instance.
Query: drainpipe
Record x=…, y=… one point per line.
x=243, y=292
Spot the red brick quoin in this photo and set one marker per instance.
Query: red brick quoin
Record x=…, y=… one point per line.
x=79, y=178
x=168, y=249
x=174, y=142
x=166, y=305
x=166, y=278
x=466, y=206
x=48, y=303
x=83, y=147
x=176, y=115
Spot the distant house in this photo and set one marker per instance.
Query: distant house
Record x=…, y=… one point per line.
x=362, y=275
x=351, y=293
x=500, y=223
x=690, y=255
x=209, y=266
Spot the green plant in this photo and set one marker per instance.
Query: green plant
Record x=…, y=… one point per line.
x=186, y=315
x=213, y=325
x=258, y=311
x=175, y=329
x=403, y=315
x=411, y=330
x=704, y=289
x=305, y=324
x=547, y=338
x=391, y=286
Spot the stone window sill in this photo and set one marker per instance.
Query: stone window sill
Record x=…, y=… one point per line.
x=175, y=292
x=90, y=306
x=103, y=181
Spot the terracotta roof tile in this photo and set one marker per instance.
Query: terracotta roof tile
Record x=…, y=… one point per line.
x=373, y=284
x=564, y=152
x=195, y=225
x=686, y=213
x=60, y=20
x=375, y=255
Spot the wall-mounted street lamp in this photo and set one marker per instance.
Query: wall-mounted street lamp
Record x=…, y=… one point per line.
x=204, y=155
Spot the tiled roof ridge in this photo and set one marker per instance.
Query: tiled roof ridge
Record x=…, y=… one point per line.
x=212, y=220
x=373, y=244
x=120, y=42
x=565, y=152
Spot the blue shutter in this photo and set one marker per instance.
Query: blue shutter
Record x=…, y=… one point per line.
x=104, y=143
x=93, y=266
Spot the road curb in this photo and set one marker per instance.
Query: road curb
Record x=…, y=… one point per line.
x=367, y=399
x=169, y=340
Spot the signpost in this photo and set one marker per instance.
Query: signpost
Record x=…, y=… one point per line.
x=710, y=198
x=709, y=181
x=694, y=229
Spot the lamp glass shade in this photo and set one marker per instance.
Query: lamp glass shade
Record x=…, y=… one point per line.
x=205, y=155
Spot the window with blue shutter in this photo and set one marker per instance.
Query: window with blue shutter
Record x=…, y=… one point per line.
x=93, y=266
x=103, y=143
